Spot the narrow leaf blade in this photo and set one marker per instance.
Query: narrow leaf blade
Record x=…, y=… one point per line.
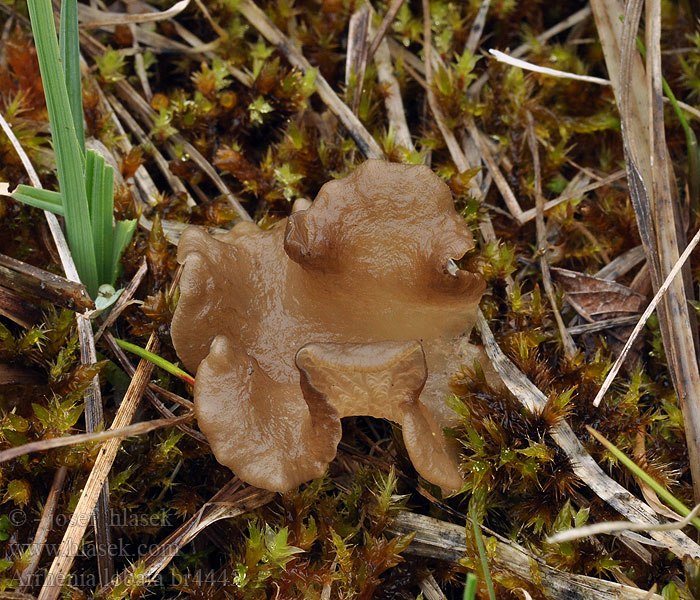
x=43, y=199
x=123, y=232
x=106, y=208
x=70, y=58
x=94, y=200
x=68, y=155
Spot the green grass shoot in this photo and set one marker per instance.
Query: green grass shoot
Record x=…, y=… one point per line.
x=470, y=587
x=156, y=360
x=86, y=183
x=482, y=550
x=661, y=491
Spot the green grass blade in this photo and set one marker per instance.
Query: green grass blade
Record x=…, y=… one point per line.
x=89, y=174
x=94, y=187
x=69, y=44
x=68, y=155
x=482, y=550
x=661, y=491
x=123, y=232
x=96, y=216
x=470, y=587
x=105, y=206
x=43, y=199
x=156, y=360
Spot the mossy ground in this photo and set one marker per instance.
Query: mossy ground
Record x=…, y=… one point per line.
x=273, y=141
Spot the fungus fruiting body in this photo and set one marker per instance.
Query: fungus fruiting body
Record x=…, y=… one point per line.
x=352, y=306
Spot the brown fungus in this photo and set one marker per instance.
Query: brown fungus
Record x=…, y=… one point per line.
x=352, y=306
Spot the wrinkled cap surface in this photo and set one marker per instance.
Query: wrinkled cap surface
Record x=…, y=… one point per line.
x=347, y=307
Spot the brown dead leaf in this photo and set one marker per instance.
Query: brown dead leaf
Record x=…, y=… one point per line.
x=594, y=298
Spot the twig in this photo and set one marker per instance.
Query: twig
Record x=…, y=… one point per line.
x=602, y=325
x=449, y=137
x=200, y=46
x=456, y=153
x=142, y=178
x=175, y=184
x=147, y=114
x=430, y=588
x=669, y=232
x=28, y=279
x=93, y=420
x=356, y=60
x=388, y=19
x=446, y=541
x=140, y=65
x=160, y=43
x=527, y=66
x=573, y=19
x=621, y=264
x=478, y=26
x=101, y=18
x=414, y=65
x=152, y=398
x=617, y=526
x=220, y=31
x=56, y=232
x=567, y=341
x=530, y=213
x=521, y=50
x=85, y=438
x=15, y=307
x=498, y=178
x=522, y=64
x=650, y=189
x=173, y=397
x=392, y=96
x=129, y=95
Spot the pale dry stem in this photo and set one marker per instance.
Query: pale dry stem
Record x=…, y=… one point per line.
x=43, y=529
x=387, y=21
x=446, y=541
x=614, y=370
x=567, y=341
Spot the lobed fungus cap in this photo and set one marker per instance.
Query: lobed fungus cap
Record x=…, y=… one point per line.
x=351, y=306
